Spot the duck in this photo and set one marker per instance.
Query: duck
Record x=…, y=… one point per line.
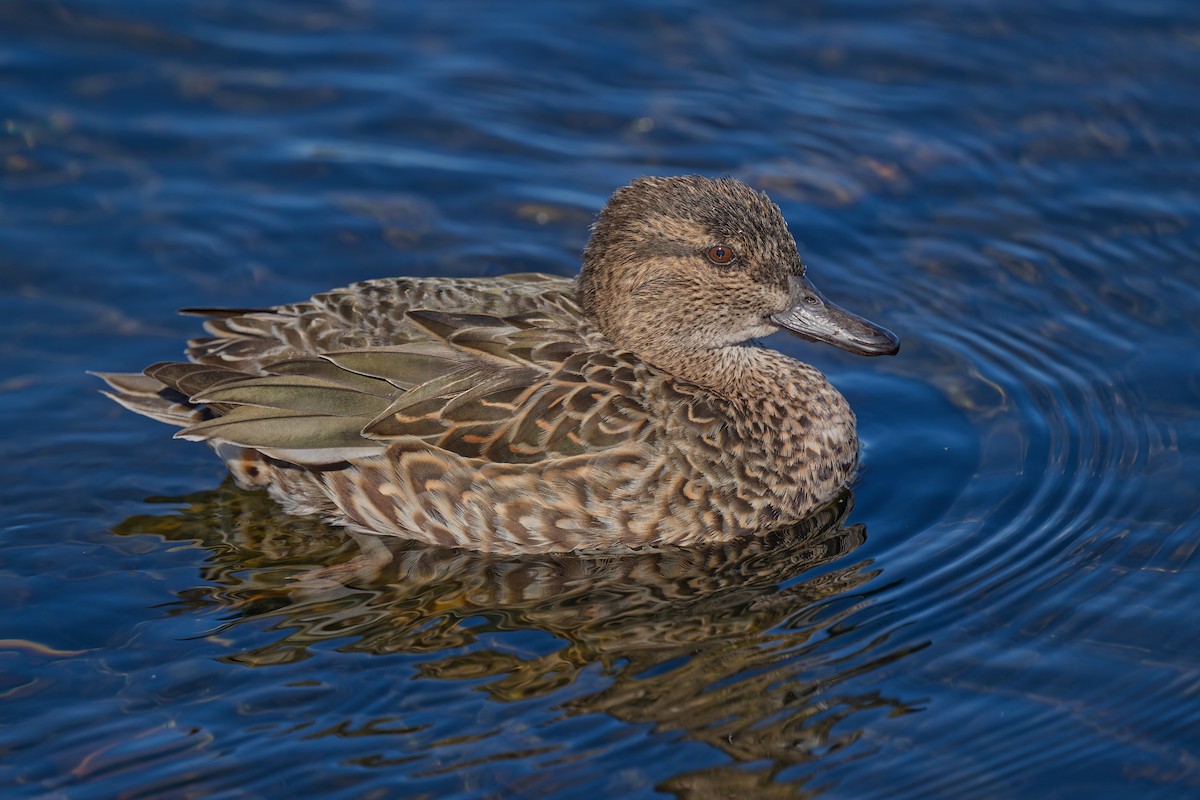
x=631, y=407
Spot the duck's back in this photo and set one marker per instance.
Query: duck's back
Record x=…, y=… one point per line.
x=375, y=313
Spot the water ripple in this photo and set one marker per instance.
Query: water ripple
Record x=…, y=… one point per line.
x=1009, y=608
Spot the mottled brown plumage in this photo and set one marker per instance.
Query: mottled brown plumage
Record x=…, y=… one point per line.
x=520, y=414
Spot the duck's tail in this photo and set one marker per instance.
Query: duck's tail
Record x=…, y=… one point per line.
x=152, y=398
x=151, y=395
x=306, y=411
x=166, y=391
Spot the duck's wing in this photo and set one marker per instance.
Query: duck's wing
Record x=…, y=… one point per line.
x=530, y=394
x=507, y=390
x=372, y=314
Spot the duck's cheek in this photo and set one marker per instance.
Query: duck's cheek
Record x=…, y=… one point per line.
x=753, y=328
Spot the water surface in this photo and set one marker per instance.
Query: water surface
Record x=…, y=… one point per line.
x=1006, y=606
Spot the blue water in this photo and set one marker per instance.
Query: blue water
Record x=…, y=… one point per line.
x=1007, y=606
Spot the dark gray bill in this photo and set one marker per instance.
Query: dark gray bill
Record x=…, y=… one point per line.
x=815, y=318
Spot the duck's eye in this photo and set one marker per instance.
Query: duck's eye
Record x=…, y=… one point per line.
x=720, y=254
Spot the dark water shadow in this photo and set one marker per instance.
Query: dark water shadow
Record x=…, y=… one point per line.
x=743, y=646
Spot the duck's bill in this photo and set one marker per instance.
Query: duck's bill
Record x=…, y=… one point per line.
x=813, y=317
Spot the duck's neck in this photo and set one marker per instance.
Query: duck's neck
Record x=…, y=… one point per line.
x=741, y=374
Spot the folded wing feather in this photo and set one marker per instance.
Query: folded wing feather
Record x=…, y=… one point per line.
x=509, y=389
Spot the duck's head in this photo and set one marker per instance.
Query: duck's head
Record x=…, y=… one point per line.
x=676, y=265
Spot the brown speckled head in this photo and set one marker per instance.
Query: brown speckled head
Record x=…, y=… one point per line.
x=682, y=267
x=653, y=277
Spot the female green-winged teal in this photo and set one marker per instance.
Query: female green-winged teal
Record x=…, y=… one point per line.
x=531, y=413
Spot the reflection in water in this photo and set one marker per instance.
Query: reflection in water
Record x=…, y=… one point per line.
x=734, y=645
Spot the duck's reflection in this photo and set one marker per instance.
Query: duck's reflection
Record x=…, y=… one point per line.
x=739, y=645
